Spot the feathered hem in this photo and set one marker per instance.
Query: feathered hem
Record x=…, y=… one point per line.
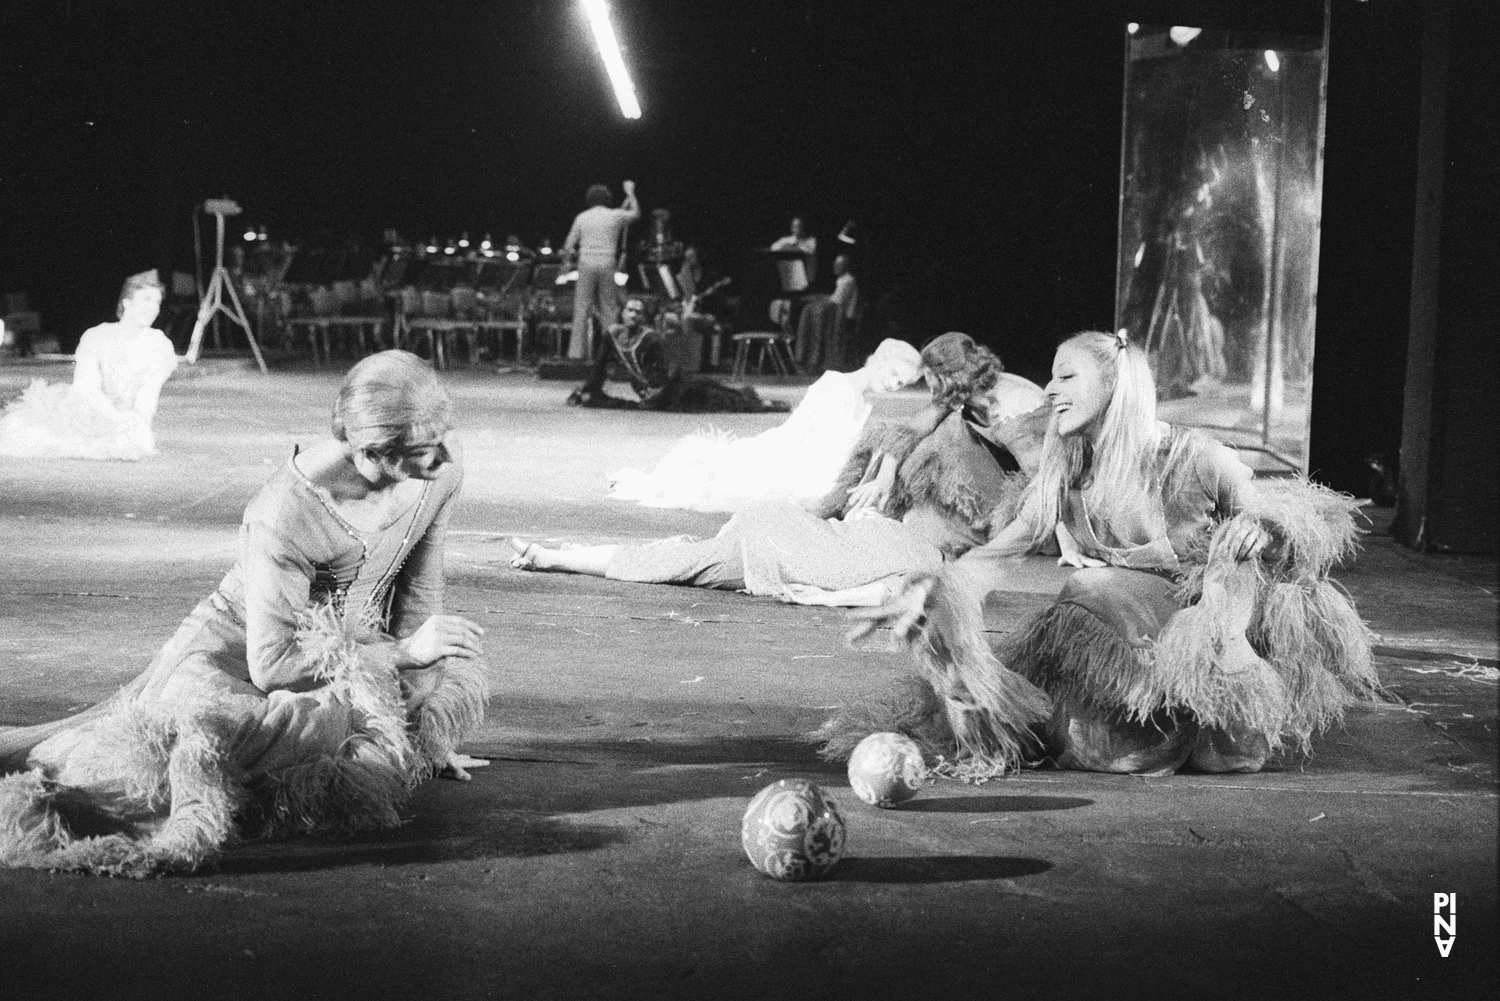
x=176, y=797
x=1071, y=654
x=160, y=762
x=53, y=421
x=962, y=705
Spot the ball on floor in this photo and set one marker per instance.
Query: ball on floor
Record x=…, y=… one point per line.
x=886, y=769
x=792, y=831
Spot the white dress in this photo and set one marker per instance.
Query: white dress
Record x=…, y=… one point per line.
x=796, y=461
x=105, y=413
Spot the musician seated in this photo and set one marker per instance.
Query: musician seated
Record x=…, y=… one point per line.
x=694, y=318
x=845, y=287
x=827, y=321
x=637, y=347
x=690, y=276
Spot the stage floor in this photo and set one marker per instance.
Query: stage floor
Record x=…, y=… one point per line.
x=599, y=855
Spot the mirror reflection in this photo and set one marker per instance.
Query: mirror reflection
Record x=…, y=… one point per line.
x=1220, y=199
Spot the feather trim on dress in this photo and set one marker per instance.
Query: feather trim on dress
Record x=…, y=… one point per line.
x=1272, y=646
x=961, y=704
x=154, y=789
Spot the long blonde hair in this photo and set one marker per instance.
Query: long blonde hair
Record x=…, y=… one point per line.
x=1119, y=463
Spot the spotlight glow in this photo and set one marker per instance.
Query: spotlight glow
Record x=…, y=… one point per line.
x=614, y=63
x=1273, y=60
x=1132, y=27
x=1182, y=35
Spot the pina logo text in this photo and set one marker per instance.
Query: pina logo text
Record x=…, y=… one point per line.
x=1445, y=921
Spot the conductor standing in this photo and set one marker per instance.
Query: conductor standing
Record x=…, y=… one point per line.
x=593, y=246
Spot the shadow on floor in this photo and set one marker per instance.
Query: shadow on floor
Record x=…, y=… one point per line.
x=995, y=804
x=429, y=837
x=526, y=808
x=940, y=869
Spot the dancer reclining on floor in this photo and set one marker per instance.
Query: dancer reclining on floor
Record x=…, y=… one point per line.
x=796, y=461
x=657, y=381
x=951, y=491
x=308, y=694
x=1203, y=630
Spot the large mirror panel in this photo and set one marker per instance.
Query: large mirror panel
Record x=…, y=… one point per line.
x=1220, y=201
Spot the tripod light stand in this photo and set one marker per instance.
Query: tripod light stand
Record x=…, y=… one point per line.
x=213, y=298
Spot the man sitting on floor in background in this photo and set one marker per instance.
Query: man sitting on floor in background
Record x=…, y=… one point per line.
x=636, y=346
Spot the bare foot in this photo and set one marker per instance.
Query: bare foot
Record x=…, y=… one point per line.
x=459, y=764
x=526, y=554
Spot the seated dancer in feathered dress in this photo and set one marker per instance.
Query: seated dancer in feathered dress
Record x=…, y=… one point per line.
x=1203, y=629
x=106, y=412
x=308, y=694
x=954, y=484
x=796, y=461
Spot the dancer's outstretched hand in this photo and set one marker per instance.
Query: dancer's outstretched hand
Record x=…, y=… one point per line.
x=905, y=615
x=440, y=636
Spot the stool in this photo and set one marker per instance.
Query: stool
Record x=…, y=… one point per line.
x=772, y=343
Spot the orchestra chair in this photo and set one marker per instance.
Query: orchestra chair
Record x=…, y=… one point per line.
x=553, y=316
x=314, y=325
x=771, y=345
x=464, y=323
x=425, y=320
x=329, y=324
x=500, y=313
x=361, y=313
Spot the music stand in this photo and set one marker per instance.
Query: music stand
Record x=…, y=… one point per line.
x=213, y=299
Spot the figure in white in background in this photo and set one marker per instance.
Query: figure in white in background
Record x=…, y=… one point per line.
x=796, y=461
x=118, y=372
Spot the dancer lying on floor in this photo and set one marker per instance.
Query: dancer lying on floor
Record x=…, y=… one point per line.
x=956, y=487
x=307, y=694
x=658, y=382
x=106, y=412
x=797, y=461
x=1203, y=629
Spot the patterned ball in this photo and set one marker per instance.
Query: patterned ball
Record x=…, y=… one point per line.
x=886, y=769
x=792, y=831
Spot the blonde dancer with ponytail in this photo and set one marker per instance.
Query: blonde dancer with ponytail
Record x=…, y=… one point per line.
x=1201, y=628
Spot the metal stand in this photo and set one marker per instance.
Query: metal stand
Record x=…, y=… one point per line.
x=213, y=304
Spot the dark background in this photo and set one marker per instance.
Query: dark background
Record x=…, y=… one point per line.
x=977, y=145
